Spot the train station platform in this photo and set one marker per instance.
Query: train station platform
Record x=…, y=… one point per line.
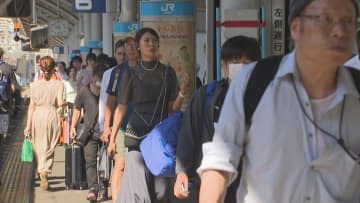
x=18, y=181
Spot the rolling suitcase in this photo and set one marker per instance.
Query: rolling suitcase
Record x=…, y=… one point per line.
x=75, y=171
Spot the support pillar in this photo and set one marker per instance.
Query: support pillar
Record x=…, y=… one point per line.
x=128, y=23
x=107, y=29
x=175, y=23
x=96, y=32
x=128, y=11
x=87, y=27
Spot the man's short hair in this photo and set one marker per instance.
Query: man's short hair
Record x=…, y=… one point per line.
x=77, y=58
x=91, y=56
x=240, y=46
x=119, y=43
x=102, y=58
x=99, y=70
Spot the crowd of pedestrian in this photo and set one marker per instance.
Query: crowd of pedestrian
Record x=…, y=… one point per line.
x=280, y=129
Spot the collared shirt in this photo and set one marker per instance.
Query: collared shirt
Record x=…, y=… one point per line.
x=103, y=97
x=63, y=76
x=354, y=62
x=278, y=163
x=113, y=89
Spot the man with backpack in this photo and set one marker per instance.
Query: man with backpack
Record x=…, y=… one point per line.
x=203, y=111
x=7, y=84
x=300, y=141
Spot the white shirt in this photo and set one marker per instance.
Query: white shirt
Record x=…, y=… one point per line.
x=319, y=108
x=63, y=76
x=278, y=166
x=353, y=62
x=103, y=97
x=70, y=91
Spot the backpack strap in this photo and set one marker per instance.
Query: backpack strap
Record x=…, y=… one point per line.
x=210, y=88
x=356, y=77
x=263, y=73
x=209, y=92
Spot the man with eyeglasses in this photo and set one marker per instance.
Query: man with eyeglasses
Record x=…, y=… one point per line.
x=303, y=142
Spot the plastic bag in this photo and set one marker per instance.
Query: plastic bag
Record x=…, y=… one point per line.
x=27, y=151
x=104, y=165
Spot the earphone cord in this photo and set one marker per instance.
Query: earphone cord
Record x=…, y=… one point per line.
x=339, y=140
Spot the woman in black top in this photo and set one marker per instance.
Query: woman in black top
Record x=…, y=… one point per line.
x=152, y=88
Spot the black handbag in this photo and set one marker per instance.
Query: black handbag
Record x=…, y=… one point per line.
x=133, y=138
x=84, y=131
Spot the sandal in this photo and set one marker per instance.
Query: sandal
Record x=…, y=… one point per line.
x=91, y=196
x=44, y=184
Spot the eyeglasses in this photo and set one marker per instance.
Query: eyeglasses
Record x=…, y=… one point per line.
x=327, y=22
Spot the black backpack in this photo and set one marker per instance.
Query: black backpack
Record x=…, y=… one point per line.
x=263, y=73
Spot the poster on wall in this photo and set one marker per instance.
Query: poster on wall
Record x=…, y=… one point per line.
x=177, y=48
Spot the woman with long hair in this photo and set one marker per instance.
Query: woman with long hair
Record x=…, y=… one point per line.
x=152, y=89
x=43, y=124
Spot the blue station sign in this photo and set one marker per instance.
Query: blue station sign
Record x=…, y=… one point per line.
x=126, y=27
x=167, y=8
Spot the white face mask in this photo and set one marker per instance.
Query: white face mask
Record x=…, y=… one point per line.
x=234, y=69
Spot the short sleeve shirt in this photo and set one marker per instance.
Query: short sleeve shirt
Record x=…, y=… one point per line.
x=150, y=92
x=89, y=102
x=113, y=88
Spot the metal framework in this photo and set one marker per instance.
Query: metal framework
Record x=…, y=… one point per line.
x=50, y=9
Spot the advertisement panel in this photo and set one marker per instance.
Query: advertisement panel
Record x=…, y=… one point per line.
x=177, y=47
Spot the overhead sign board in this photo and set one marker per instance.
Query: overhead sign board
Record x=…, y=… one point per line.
x=90, y=6
x=58, y=50
x=126, y=27
x=169, y=8
x=94, y=44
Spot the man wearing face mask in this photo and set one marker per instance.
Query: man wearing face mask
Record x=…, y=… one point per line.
x=88, y=100
x=198, y=125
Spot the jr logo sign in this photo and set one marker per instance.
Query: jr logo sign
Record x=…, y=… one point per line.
x=133, y=27
x=168, y=8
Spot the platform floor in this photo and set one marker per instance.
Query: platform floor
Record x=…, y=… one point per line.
x=58, y=192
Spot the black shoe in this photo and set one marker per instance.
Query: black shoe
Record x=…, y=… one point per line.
x=103, y=194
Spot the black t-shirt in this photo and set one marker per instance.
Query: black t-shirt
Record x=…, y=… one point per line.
x=90, y=102
x=143, y=88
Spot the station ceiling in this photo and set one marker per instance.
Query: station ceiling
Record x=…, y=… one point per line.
x=50, y=9
x=47, y=10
